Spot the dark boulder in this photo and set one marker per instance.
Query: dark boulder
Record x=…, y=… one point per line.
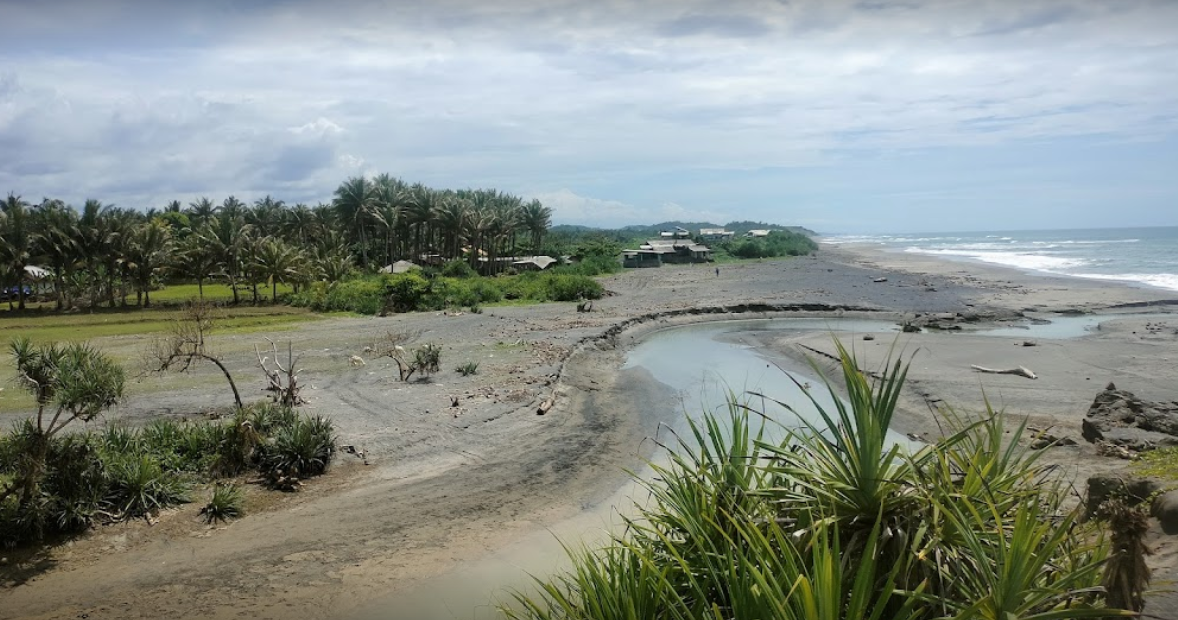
x=1120, y=418
x=1165, y=510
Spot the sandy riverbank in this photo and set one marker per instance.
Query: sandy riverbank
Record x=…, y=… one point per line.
x=447, y=486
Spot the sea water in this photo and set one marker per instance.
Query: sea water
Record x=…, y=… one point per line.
x=1142, y=256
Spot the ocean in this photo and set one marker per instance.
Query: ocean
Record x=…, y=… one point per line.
x=1142, y=256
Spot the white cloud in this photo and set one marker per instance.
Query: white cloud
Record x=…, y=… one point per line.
x=319, y=127
x=570, y=208
x=137, y=103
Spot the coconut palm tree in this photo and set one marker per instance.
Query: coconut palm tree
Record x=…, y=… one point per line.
x=299, y=225
x=355, y=202
x=536, y=219
x=277, y=262
x=19, y=243
x=57, y=244
x=419, y=215
x=228, y=236
x=201, y=211
x=234, y=208
x=151, y=249
x=197, y=258
x=450, y=215
x=95, y=241
x=120, y=224
x=266, y=216
x=392, y=201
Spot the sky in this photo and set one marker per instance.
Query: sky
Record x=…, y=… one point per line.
x=843, y=116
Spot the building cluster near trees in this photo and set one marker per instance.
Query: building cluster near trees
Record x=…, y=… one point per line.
x=102, y=254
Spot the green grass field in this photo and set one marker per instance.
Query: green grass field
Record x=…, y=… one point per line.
x=176, y=294
x=46, y=326
x=49, y=327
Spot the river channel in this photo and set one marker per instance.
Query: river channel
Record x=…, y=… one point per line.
x=704, y=364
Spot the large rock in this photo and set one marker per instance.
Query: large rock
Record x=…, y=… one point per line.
x=1165, y=509
x=1120, y=418
x=1133, y=490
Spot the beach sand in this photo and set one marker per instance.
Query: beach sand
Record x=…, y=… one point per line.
x=465, y=497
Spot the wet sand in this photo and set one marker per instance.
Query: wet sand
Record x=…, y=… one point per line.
x=449, y=490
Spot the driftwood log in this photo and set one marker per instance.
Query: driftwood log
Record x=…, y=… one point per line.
x=1021, y=371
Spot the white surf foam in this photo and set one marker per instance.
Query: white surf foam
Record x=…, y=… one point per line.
x=1160, y=280
x=1019, y=260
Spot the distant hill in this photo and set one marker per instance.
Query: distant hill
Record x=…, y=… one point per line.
x=571, y=229
x=630, y=233
x=746, y=225
x=654, y=229
x=739, y=228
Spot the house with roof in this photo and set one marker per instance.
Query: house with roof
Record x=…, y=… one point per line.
x=636, y=259
x=655, y=252
x=678, y=233
x=716, y=234
x=756, y=234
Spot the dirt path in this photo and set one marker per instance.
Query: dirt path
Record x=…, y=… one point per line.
x=445, y=486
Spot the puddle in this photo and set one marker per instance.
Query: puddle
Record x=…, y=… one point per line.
x=1063, y=327
x=705, y=369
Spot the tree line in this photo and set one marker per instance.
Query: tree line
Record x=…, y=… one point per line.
x=100, y=254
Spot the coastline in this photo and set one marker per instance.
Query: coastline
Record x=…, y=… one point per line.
x=1007, y=287
x=445, y=490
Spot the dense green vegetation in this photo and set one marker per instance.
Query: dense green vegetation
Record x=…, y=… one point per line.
x=56, y=482
x=322, y=257
x=836, y=522
x=781, y=241
x=102, y=255
x=415, y=291
x=776, y=244
x=122, y=473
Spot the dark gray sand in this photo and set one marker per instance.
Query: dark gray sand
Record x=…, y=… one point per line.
x=467, y=495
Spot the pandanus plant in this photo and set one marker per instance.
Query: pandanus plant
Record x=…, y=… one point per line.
x=837, y=521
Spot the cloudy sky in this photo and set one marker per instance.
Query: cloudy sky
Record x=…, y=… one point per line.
x=870, y=116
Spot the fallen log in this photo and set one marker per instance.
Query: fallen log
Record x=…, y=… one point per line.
x=1021, y=371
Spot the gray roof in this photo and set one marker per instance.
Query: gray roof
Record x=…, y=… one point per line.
x=540, y=261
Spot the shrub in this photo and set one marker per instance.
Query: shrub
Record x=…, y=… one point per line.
x=301, y=450
x=593, y=265
x=140, y=487
x=778, y=243
x=405, y=292
x=119, y=439
x=564, y=287
x=266, y=417
x=838, y=521
x=467, y=369
x=458, y=269
x=76, y=482
x=427, y=358
x=236, y=447
x=361, y=295
x=227, y=502
x=69, y=494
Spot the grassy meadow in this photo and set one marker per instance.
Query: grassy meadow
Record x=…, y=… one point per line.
x=42, y=325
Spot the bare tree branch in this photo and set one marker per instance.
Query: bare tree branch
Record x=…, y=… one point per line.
x=185, y=346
